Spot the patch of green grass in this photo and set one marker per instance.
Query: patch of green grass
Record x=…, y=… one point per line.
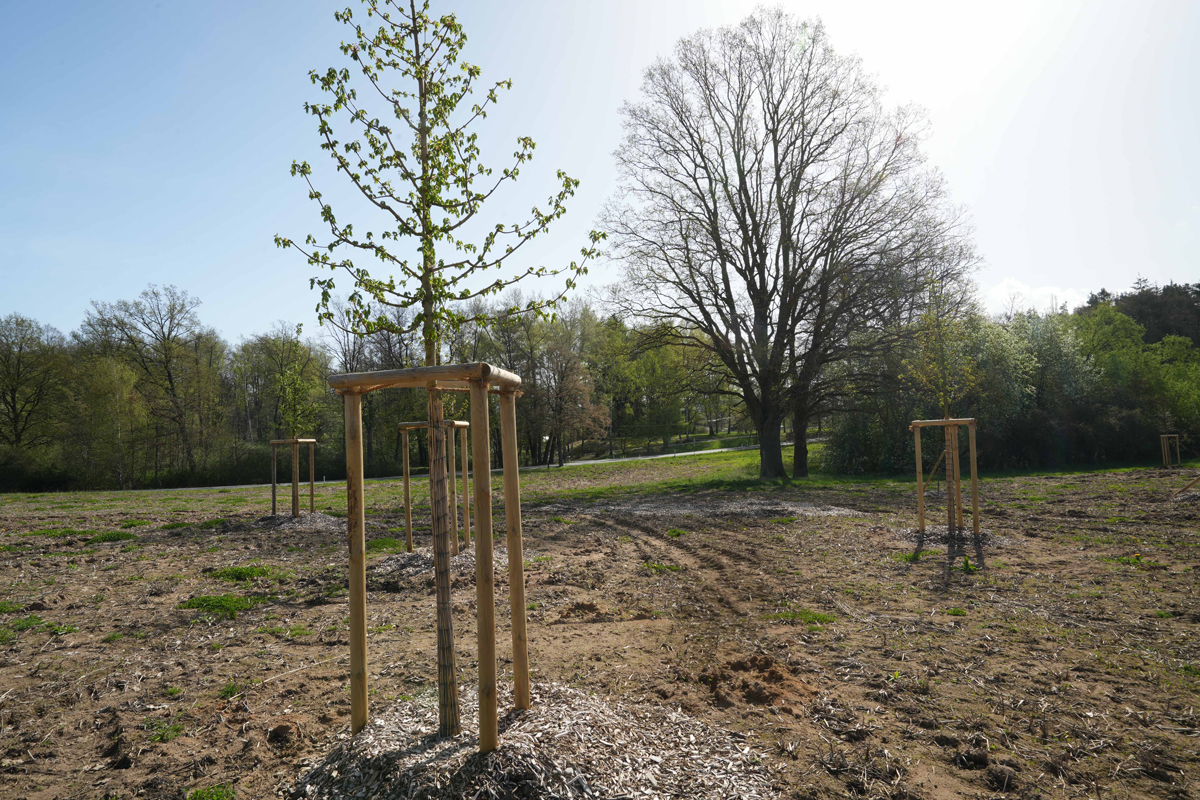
x=134, y=523
x=224, y=606
x=229, y=691
x=28, y=623
x=1164, y=614
x=387, y=626
x=161, y=730
x=912, y=558
x=172, y=691
x=239, y=574
x=385, y=544
x=956, y=612
x=7, y=636
x=1191, y=669
x=113, y=536
x=675, y=533
x=801, y=615
x=9, y=607
x=112, y=637
x=1134, y=560
x=63, y=630
x=209, y=524
x=221, y=791
x=658, y=569
x=56, y=533
x=564, y=520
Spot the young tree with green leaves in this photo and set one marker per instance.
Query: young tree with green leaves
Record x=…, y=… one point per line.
x=414, y=157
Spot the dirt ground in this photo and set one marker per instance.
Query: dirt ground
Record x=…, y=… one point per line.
x=1069, y=667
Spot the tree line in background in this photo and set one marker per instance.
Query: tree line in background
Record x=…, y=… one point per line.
x=143, y=394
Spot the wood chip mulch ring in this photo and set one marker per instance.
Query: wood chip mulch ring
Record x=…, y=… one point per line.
x=569, y=745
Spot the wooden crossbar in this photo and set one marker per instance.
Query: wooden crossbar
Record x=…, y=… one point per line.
x=446, y=376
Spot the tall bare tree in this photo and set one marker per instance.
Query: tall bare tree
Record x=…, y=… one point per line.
x=774, y=213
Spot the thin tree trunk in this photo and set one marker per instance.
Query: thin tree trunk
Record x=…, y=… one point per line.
x=799, y=444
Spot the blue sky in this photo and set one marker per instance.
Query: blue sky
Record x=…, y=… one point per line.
x=150, y=142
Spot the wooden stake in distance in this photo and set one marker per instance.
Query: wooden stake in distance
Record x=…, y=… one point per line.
x=466, y=489
x=516, y=555
x=407, y=497
x=295, y=478
x=312, y=477
x=451, y=479
x=920, y=484
x=975, y=497
x=485, y=601
x=356, y=526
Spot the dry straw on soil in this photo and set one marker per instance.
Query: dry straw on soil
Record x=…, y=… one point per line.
x=569, y=745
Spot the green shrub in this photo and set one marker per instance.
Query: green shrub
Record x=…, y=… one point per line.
x=239, y=574
x=220, y=792
x=229, y=691
x=163, y=730
x=801, y=615
x=112, y=536
x=675, y=533
x=224, y=606
x=956, y=612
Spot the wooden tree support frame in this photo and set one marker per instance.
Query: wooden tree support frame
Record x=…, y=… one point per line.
x=954, y=509
x=462, y=427
x=479, y=379
x=312, y=474
x=1164, y=441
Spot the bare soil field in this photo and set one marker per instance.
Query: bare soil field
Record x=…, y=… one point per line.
x=158, y=644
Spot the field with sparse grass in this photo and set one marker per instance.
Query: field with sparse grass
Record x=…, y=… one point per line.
x=174, y=644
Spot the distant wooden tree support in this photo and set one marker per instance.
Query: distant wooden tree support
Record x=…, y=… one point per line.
x=462, y=426
x=479, y=379
x=312, y=474
x=1164, y=441
x=954, y=510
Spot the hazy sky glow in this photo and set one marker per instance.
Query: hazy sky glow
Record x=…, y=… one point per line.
x=150, y=142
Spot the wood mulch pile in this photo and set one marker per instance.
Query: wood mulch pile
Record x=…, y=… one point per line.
x=569, y=745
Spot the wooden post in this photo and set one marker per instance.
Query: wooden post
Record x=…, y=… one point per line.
x=447, y=681
x=958, y=501
x=312, y=477
x=975, y=497
x=489, y=734
x=949, y=482
x=516, y=554
x=920, y=482
x=450, y=476
x=274, y=509
x=356, y=525
x=466, y=489
x=407, y=498
x=1190, y=485
x=295, y=478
